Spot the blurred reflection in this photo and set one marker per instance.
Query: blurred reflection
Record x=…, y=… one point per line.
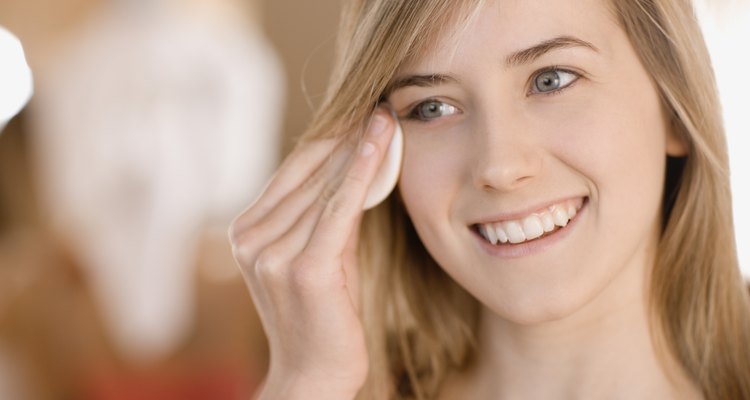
x=153, y=124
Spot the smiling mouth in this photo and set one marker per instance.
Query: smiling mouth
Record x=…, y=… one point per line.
x=535, y=226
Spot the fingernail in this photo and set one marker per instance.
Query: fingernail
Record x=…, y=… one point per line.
x=367, y=149
x=377, y=125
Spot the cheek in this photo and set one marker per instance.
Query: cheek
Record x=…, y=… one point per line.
x=633, y=147
x=611, y=129
x=618, y=145
x=430, y=178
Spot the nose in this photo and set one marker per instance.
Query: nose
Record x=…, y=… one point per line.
x=507, y=157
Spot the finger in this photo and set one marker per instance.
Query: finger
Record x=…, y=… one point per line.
x=272, y=267
x=285, y=214
x=337, y=221
x=289, y=181
x=277, y=218
x=294, y=240
x=293, y=172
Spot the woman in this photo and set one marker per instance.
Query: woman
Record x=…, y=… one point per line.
x=562, y=225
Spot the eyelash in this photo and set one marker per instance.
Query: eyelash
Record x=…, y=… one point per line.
x=553, y=68
x=413, y=111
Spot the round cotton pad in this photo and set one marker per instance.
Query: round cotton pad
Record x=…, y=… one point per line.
x=387, y=176
x=15, y=77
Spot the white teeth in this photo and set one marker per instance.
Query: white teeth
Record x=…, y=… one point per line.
x=560, y=216
x=532, y=227
x=571, y=211
x=483, y=232
x=491, y=233
x=547, y=222
x=501, y=235
x=494, y=233
x=514, y=231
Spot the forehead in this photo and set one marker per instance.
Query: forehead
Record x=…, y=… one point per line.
x=501, y=27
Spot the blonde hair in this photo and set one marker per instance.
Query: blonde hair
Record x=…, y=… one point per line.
x=420, y=323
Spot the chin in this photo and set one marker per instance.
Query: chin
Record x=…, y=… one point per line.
x=539, y=306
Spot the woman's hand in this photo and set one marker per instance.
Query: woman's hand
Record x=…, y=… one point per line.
x=296, y=246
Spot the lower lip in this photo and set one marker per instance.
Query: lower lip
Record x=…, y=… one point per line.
x=508, y=250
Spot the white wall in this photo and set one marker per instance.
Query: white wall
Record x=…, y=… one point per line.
x=726, y=26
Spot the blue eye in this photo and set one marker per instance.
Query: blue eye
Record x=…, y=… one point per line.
x=430, y=110
x=552, y=80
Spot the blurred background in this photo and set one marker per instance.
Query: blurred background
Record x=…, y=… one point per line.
x=153, y=123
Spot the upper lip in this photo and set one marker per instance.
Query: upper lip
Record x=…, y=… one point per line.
x=515, y=215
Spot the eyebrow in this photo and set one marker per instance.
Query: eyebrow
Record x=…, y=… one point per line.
x=530, y=54
x=428, y=80
x=515, y=59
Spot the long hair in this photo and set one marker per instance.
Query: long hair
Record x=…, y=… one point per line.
x=699, y=300
x=420, y=324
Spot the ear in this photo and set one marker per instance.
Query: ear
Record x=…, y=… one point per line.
x=677, y=145
x=387, y=176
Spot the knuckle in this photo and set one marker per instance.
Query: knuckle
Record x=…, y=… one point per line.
x=328, y=194
x=244, y=254
x=338, y=206
x=355, y=180
x=269, y=263
x=267, y=260
x=246, y=245
x=313, y=181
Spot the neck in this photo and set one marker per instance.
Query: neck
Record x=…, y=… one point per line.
x=606, y=349
x=595, y=357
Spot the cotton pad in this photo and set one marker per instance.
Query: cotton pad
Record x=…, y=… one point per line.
x=387, y=176
x=15, y=77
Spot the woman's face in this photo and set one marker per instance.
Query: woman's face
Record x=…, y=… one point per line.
x=540, y=116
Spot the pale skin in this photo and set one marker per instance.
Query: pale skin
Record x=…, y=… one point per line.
x=568, y=320
x=296, y=247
